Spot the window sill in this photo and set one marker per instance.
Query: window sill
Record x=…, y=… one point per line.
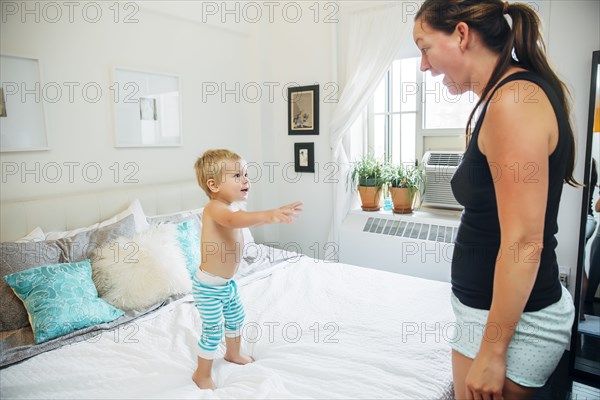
x=436, y=215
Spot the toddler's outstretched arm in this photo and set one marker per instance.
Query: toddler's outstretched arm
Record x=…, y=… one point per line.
x=245, y=219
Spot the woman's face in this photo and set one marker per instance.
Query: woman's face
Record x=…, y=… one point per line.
x=441, y=54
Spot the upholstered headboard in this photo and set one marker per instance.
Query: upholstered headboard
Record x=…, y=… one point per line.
x=70, y=211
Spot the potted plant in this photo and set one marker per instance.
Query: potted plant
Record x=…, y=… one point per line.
x=367, y=175
x=407, y=184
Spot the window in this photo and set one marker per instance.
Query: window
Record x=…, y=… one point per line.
x=412, y=112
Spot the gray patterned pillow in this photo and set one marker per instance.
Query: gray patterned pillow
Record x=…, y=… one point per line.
x=83, y=245
x=16, y=257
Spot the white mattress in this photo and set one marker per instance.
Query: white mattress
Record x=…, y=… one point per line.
x=351, y=344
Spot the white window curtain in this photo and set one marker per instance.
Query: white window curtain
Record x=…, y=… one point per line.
x=373, y=39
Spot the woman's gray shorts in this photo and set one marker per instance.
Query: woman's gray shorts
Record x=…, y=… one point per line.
x=536, y=347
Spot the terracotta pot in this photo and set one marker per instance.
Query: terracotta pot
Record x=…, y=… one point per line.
x=403, y=199
x=370, y=197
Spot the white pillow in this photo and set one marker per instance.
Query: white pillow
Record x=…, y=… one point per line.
x=173, y=218
x=36, y=235
x=134, y=208
x=134, y=274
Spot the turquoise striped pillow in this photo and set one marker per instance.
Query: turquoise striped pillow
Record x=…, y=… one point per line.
x=61, y=298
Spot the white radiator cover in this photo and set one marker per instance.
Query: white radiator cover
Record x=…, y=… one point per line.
x=426, y=252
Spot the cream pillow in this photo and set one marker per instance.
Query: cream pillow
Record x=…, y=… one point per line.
x=137, y=273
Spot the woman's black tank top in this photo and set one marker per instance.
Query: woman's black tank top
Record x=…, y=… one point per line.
x=478, y=238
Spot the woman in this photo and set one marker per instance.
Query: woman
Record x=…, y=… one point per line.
x=513, y=316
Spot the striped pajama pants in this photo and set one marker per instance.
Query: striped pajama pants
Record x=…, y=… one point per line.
x=219, y=307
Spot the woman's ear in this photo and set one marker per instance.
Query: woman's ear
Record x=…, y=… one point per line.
x=463, y=33
x=212, y=185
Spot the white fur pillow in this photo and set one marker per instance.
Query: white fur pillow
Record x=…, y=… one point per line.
x=136, y=273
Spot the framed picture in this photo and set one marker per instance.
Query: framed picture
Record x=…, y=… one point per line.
x=22, y=117
x=303, y=110
x=304, y=157
x=147, y=109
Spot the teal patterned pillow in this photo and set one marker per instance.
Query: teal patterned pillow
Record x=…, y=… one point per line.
x=60, y=298
x=188, y=237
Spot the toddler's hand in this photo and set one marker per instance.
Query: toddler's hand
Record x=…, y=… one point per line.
x=286, y=214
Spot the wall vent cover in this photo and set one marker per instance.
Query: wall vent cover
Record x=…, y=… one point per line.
x=411, y=230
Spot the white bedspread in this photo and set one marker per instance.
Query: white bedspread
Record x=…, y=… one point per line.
x=316, y=330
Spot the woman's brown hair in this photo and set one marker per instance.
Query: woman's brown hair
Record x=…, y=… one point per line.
x=520, y=46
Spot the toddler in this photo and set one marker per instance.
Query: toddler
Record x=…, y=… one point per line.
x=222, y=175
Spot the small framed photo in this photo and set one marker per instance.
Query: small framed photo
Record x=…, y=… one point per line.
x=304, y=157
x=303, y=110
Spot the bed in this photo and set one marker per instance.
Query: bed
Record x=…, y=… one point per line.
x=316, y=329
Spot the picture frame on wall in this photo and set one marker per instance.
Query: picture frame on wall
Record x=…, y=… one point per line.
x=22, y=118
x=147, y=109
x=304, y=157
x=303, y=110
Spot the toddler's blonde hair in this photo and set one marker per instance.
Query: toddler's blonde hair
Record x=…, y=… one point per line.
x=210, y=166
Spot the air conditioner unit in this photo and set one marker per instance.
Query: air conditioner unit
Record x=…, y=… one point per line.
x=439, y=168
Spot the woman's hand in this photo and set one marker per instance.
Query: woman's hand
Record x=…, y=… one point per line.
x=485, y=379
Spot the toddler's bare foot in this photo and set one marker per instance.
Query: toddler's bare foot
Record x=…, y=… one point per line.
x=241, y=359
x=203, y=382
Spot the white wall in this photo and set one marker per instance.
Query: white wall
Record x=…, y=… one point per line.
x=296, y=52
x=81, y=131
